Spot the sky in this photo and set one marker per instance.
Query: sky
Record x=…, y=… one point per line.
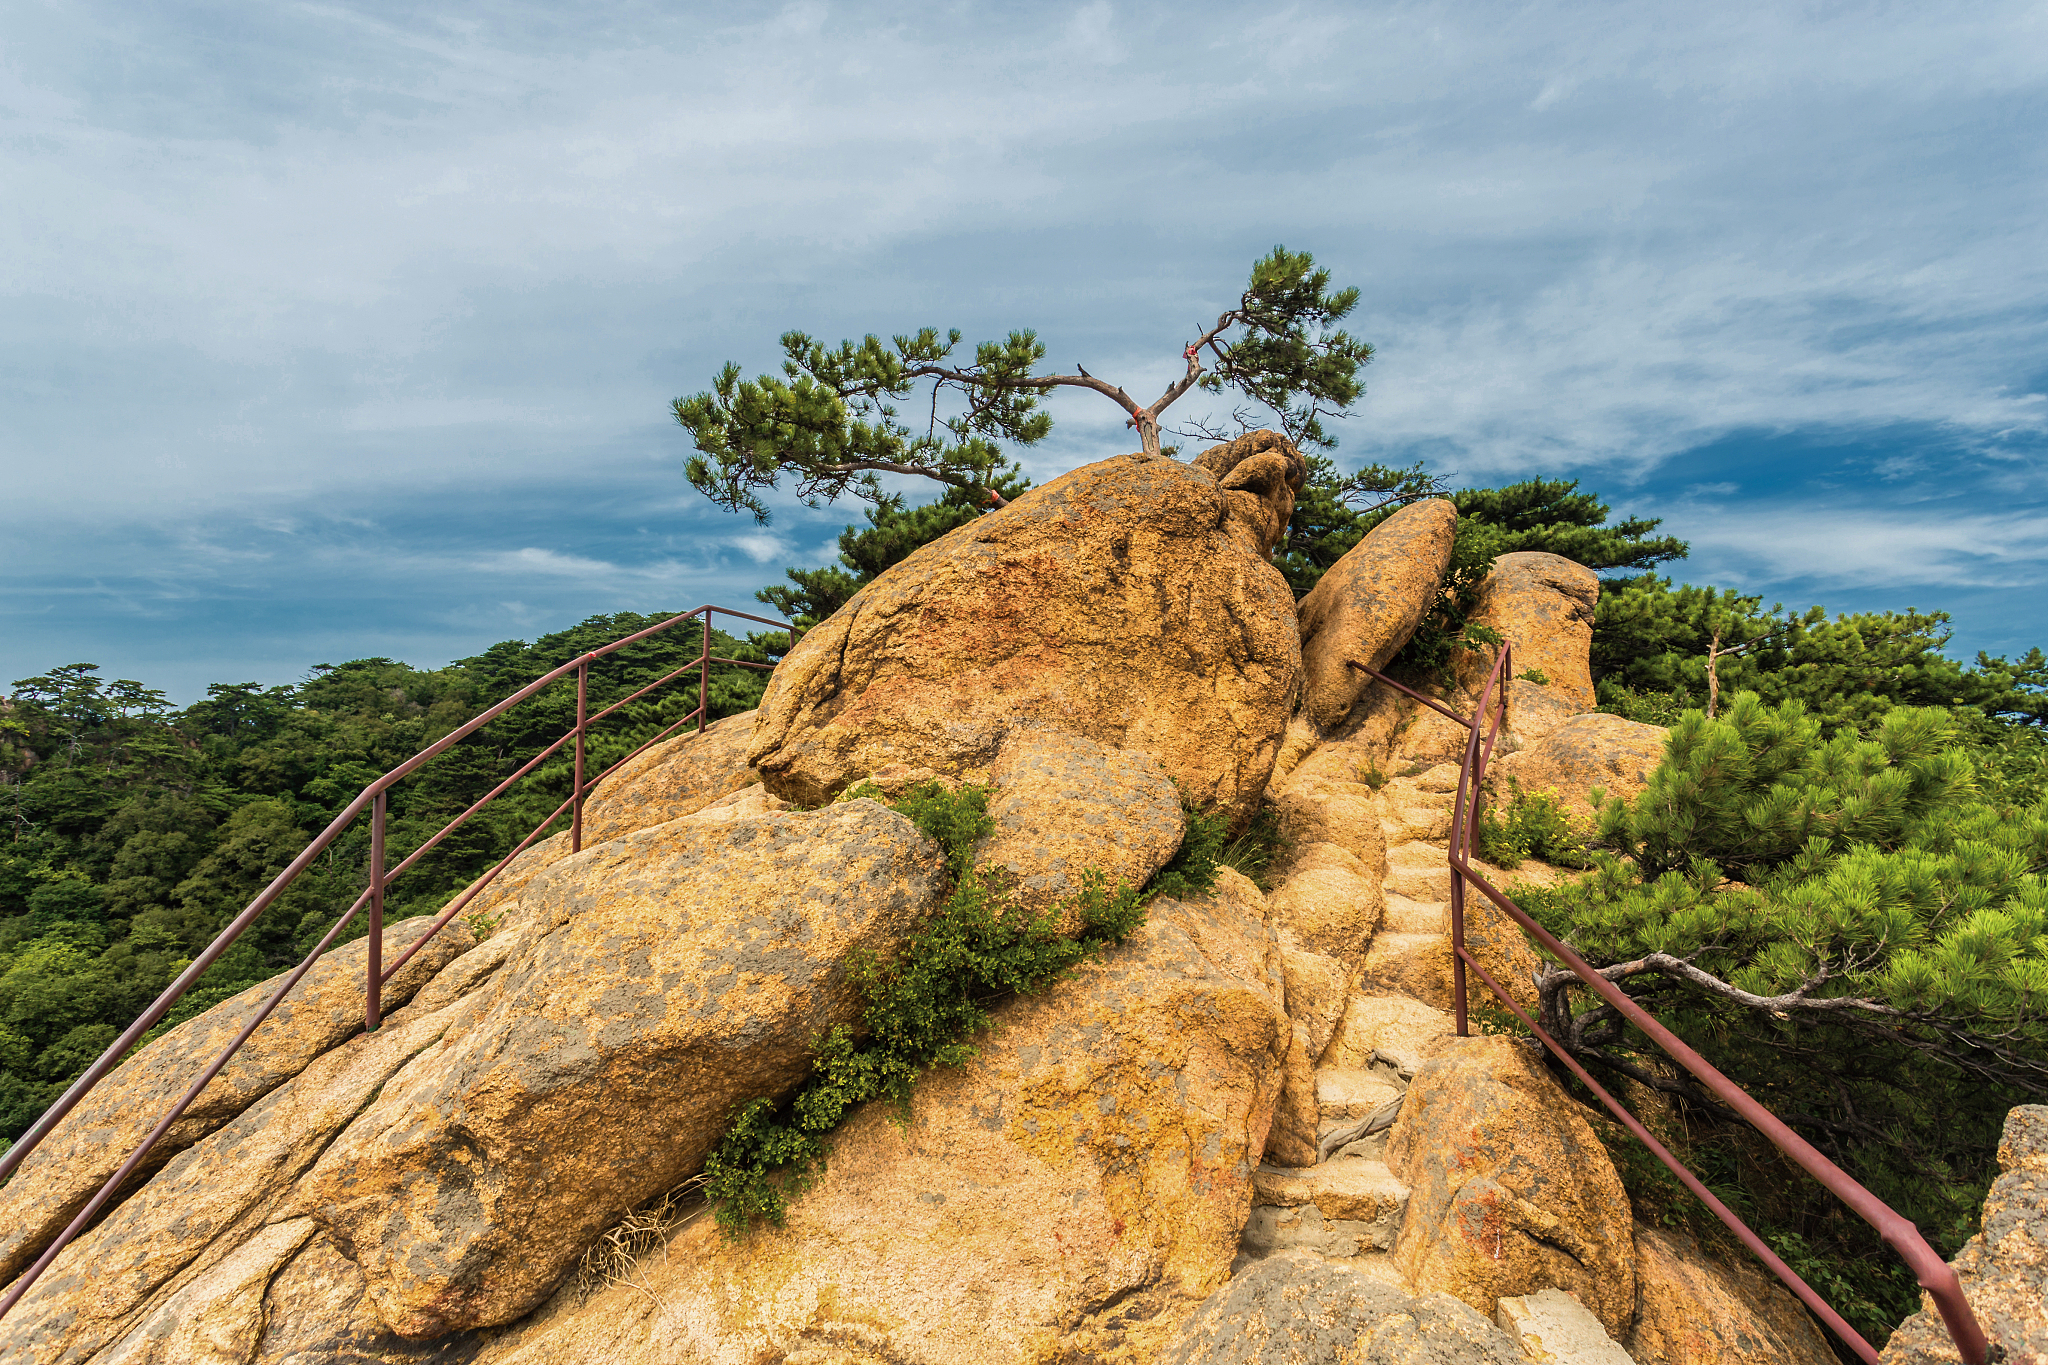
x=343, y=330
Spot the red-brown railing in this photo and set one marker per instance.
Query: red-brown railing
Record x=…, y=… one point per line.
x=376, y=974
x=1934, y=1274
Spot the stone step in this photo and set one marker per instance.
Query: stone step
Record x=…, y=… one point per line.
x=1404, y=822
x=1405, y=915
x=1419, y=871
x=1417, y=965
x=1353, y=1093
x=1341, y=1209
x=1398, y=1031
x=1553, y=1328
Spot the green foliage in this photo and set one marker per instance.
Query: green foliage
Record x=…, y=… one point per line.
x=1651, y=637
x=1853, y=927
x=830, y=422
x=1536, y=826
x=1254, y=851
x=136, y=831
x=922, y=1008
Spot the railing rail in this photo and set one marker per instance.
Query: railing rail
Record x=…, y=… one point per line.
x=1483, y=730
x=376, y=973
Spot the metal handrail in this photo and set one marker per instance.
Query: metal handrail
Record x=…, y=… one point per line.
x=376, y=975
x=1935, y=1275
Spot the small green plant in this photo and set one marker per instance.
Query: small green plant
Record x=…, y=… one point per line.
x=920, y=1008
x=1413, y=770
x=1369, y=773
x=482, y=924
x=1650, y=708
x=1254, y=851
x=1494, y=1018
x=1534, y=675
x=1536, y=826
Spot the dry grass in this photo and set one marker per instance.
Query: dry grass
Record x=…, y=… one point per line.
x=614, y=1258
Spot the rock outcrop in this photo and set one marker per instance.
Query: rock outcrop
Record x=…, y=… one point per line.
x=676, y=777
x=2004, y=1268
x=1363, y=610
x=1124, y=602
x=1298, y=1309
x=673, y=975
x=1063, y=805
x=1589, y=751
x=1512, y=1191
x=1543, y=605
x=95, y=1139
x=1694, y=1310
x=1079, y=1183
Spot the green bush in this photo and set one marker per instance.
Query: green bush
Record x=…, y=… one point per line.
x=1254, y=851
x=1536, y=826
x=920, y=1008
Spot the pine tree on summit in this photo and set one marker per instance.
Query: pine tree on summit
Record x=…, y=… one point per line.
x=830, y=424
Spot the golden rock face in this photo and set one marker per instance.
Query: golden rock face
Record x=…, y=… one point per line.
x=90, y=1145
x=667, y=977
x=1543, y=605
x=1593, y=750
x=1694, y=1310
x=1511, y=1191
x=1073, y=1192
x=1364, y=609
x=1122, y=602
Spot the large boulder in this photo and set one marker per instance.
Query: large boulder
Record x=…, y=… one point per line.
x=1124, y=602
x=1511, y=1191
x=2004, y=1268
x=323, y=1010
x=1588, y=751
x=1363, y=610
x=676, y=777
x=672, y=975
x=1295, y=1308
x=1063, y=805
x=1543, y=604
x=175, y=1274
x=1072, y=1192
x=1694, y=1310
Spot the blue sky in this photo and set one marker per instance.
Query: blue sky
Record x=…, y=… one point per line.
x=336, y=330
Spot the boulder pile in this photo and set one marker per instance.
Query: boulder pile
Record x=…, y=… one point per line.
x=1246, y=1134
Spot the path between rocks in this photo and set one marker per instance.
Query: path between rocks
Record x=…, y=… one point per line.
x=1348, y=1206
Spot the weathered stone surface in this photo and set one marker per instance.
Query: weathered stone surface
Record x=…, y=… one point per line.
x=1694, y=1310
x=1063, y=804
x=1535, y=711
x=1553, y=1328
x=676, y=777
x=179, y=1256
x=1316, y=993
x=1260, y=472
x=1512, y=1191
x=1585, y=752
x=1364, y=609
x=1074, y=1191
x=326, y=1007
x=1330, y=902
x=676, y=972
x=1324, y=807
x=1298, y=1309
x=1296, y=1118
x=1114, y=602
x=2004, y=1268
x=1395, y=1030
x=1543, y=605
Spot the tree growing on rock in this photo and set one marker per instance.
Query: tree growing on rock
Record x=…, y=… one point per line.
x=830, y=421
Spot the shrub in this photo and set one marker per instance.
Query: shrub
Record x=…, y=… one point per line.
x=1536, y=826
x=920, y=1008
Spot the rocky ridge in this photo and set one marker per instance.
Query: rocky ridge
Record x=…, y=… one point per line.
x=1249, y=1133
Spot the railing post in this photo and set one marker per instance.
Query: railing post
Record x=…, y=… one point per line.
x=704, y=677
x=582, y=709
x=373, y=993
